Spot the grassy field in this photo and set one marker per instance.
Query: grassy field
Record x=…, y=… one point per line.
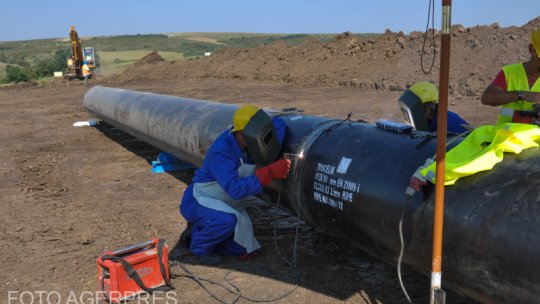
x=218, y=38
x=117, y=62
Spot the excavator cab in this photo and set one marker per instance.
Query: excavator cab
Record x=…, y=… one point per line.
x=89, y=57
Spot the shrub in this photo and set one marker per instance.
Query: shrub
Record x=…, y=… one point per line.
x=60, y=59
x=16, y=74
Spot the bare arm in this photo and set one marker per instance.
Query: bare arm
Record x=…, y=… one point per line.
x=495, y=96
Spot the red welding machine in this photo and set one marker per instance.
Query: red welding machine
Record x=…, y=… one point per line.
x=127, y=272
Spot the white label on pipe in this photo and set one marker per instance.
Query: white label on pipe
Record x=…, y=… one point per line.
x=343, y=165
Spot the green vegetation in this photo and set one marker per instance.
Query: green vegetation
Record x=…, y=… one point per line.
x=150, y=43
x=24, y=53
x=252, y=41
x=38, y=68
x=2, y=70
x=16, y=74
x=34, y=59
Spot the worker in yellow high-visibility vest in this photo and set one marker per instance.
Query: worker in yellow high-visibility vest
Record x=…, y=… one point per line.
x=85, y=72
x=517, y=86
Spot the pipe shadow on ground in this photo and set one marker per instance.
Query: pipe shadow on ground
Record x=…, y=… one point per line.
x=325, y=264
x=140, y=148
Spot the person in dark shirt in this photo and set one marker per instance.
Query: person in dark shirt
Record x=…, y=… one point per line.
x=429, y=96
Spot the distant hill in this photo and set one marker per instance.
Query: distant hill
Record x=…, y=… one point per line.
x=119, y=52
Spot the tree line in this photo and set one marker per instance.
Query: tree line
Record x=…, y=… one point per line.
x=41, y=68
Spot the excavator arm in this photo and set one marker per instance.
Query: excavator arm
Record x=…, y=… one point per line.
x=76, y=46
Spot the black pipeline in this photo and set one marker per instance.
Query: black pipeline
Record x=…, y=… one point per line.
x=351, y=180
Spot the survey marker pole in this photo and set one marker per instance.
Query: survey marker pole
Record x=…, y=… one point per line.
x=437, y=295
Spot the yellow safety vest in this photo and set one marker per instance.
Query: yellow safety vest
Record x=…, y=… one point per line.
x=516, y=80
x=85, y=70
x=483, y=149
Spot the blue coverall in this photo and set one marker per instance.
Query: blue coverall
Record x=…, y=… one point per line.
x=454, y=123
x=213, y=231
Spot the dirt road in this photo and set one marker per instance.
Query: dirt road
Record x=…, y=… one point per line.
x=69, y=194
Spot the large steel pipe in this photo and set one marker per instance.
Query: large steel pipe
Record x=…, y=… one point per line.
x=351, y=183
x=181, y=126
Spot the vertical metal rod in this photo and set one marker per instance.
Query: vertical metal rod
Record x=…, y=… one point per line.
x=436, y=294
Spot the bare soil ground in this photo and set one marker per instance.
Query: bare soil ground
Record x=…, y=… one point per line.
x=68, y=194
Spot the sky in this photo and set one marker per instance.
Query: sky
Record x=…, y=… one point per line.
x=36, y=19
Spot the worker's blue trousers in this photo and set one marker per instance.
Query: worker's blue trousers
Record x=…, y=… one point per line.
x=213, y=231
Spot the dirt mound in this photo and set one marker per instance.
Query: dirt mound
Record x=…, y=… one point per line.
x=152, y=57
x=387, y=62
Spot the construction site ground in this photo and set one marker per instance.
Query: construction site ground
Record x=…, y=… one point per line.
x=68, y=194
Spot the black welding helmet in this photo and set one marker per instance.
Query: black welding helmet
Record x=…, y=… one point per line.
x=261, y=139
x=412, y=103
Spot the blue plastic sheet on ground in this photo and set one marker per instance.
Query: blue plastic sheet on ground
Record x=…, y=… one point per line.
x=168, y=163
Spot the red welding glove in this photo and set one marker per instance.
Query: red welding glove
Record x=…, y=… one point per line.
x=276, y=170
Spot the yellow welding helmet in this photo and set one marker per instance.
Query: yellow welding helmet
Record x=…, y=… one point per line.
x=242, y=116
x=426, y=91
x=535, y=40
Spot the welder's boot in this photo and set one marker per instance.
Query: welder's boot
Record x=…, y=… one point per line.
x=248, y=256
x=185, y=237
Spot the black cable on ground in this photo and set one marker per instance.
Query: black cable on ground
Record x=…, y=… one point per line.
x=199, y=280
x=280, y=297
x=293, y=262
x=275, y=232
x=233, y=289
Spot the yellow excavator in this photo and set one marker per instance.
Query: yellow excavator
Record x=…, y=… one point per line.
x=82, y=63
